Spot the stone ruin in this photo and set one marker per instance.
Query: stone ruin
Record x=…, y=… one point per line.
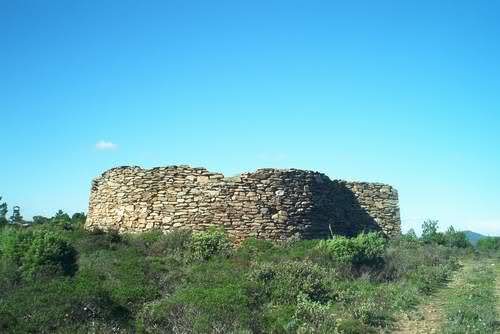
x=271, y=204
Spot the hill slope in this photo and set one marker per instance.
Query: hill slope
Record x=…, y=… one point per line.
x=473, y=237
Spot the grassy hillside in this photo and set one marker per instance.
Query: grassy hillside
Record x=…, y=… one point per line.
x=57, y=278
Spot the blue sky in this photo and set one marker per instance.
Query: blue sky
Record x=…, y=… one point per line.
x=401, y=92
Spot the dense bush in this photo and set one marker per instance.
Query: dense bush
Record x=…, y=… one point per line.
x=314, y=317
x=50, y=251
x=126, y=279
x=456, y=239
x=427, y=265
x=364, y=249
x=367, y=302
x=283, y=282
x=157, y=243
x=38, y=252
x=205, y=245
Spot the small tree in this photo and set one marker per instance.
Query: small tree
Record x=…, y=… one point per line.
x=410, y=236
x=78, y=218
x=61, y=217
x=430, y=233
x=456, y=238
x=38, y=252
x=16, y=217
x=3, y=213
x=62, y=220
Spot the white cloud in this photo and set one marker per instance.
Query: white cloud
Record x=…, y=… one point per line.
x=105, y=145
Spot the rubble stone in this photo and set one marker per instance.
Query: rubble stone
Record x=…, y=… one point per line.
x=274, y=204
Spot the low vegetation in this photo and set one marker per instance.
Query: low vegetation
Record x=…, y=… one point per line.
x=470, y=307
x=489, y=245
x=57, y=277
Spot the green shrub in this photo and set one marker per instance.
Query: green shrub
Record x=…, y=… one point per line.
x=13, y=244
x=450, y=238
x=157, y=243
x=409, y=237
x=114, y=237
x=279, y=318
x=198, y=310
x=362, y=300
x=258, y=250
x=87, y=242
x=364, y=249
x=456, y=239
x=405, y=260
x=122, y=272
x=489, y=244
x=251, y=249
x=48, y=249
x=59, y=305
x=283, y=282
x=354, y=326
x=8, y=322
x=38, y=252
x=314, y=317
x=9, y=277
x=78, y=219
x=427, y=279
x=205, y=245
x=303, y=316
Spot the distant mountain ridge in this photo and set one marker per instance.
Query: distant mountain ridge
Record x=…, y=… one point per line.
x=473, y=237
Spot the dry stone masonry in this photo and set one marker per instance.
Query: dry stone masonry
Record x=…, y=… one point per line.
x=269, y=203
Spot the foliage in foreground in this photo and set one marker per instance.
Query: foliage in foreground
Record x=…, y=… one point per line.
x=184, y=283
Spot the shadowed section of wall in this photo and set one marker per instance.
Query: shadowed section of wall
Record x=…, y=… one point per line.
x=269, y=203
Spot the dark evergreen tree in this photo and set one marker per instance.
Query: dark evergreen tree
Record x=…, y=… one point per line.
x=16, y=217
x=78, y=218
x=61, y=217
x=3, y=212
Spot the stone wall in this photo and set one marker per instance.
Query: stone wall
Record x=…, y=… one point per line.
x=269, y=203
